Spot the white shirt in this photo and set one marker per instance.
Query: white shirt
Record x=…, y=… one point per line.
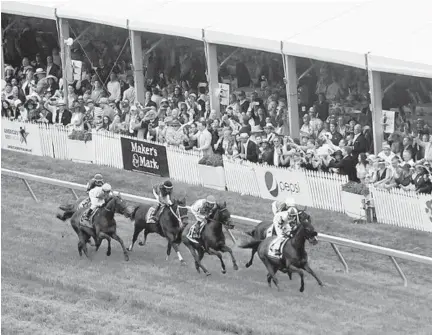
x=115, y=90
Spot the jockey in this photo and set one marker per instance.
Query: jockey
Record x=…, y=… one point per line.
x=201, y=209
x=98, y=196
x=96, y=181
x=162, y=193
x=284, y=222
x=281, y=206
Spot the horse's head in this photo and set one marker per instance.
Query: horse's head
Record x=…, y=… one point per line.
x=220, y=213
x=309, y=231
x=181, y=211
x=117, y=205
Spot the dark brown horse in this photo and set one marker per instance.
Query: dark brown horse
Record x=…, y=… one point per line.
x=212, y=240
x=294, y=257
x=260, y=232
x=104, y=225
x=172, y=221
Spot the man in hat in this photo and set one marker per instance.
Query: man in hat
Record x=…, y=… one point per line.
x=40, y=74
x=427, y=146
x=386, y=153
x=114, y=89
x=280, y=153
x=266, y=153
x=269, y=132
x=63, y=116
x=244, y=103
x=107, y=110
x=52, y=68
x=248, y=149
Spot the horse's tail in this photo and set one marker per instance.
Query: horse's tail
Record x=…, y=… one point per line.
x=248, y=243
x=67, y=208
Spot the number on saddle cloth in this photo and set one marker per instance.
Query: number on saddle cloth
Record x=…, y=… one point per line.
x=84, y=203
x=150, y=213
x=89, y=222
x=275, y=247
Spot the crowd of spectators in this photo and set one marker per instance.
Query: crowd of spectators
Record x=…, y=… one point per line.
x=335, y=129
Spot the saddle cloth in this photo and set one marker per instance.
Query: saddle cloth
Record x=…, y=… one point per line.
x=276, y=246
x=150, y=212
x=87, y=223
x=84, y=203
x=192, y=235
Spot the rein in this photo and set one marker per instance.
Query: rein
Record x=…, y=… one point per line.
x=177, y=214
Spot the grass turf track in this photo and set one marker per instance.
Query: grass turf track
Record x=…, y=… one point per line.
x=48, y=289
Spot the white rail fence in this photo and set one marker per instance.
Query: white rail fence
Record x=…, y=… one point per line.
x=333, y=240
x=318, y=189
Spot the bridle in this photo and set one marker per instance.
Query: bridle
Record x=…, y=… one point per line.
x=221, y=210
x=177, y=214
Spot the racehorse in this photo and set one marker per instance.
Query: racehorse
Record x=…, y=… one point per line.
x=212, y=240
x=294, y=257
x=104, y=225
x=172, y=220
x=260, y=232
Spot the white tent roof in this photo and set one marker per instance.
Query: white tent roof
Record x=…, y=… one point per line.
x=394, y=35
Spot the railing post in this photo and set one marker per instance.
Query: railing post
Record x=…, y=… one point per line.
x=74, y=193
x=30, y=190
x=401, y=273
x=340, y=256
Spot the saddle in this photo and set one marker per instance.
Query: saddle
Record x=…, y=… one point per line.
x=88, y=223
x=194, y=235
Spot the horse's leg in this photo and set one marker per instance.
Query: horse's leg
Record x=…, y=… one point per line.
x=254, y=250
x=180, y=257
x=137, y=231
x=271, y=272
x=219, y=255
x=269, y=279
x=197, y=255
x=229, y=250
x=119, y=240
x=307, y=268
x=289, y=273
x=102, y=236
x=168, y=252
x=299, y=271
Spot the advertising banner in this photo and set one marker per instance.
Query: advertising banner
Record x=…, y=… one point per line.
x=144, y=157
x=279, y=184
x=21, y=136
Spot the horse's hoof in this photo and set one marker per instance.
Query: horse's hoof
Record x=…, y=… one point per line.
x=235, y=267
x=182, y=262
x=126, y=258
x=248, y=265
x=223, y=271
x=141, y=244
x=129, y=249
x=302, y=289
x=108, y=253
x=208, y=274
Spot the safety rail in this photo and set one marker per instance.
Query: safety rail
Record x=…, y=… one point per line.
x=333, y=240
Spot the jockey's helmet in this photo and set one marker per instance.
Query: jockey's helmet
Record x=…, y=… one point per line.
x=290, y=202
x=211, y=199
x=168, y=184
x=292, y=211
x=106, y=187
x=98, y=177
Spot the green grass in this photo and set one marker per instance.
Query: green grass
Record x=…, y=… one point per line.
x=48, y=289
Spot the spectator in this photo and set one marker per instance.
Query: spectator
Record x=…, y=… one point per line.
x=203, y=138
x=114, y=89
x=247, y=150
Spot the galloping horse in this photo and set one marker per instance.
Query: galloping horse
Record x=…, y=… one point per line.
x=212, y=239
x=260, y=232
x=104, y=226
x=294, y=257
x=173, y=219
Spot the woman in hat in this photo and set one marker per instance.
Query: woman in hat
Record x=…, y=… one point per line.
x=226, y=144
x=421, y=179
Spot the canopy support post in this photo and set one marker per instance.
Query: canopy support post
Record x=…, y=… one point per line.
x=290, y=71
x=2, y=57
x=65, y=56
x=138, y=68
x=212, y=75
x=376, y=108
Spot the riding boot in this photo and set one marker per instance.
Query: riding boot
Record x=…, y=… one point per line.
x=154, y=216
x=88, y=214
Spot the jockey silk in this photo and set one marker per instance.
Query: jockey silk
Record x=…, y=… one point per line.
x=97, y=197
x=199, y=209
x=163, y=200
